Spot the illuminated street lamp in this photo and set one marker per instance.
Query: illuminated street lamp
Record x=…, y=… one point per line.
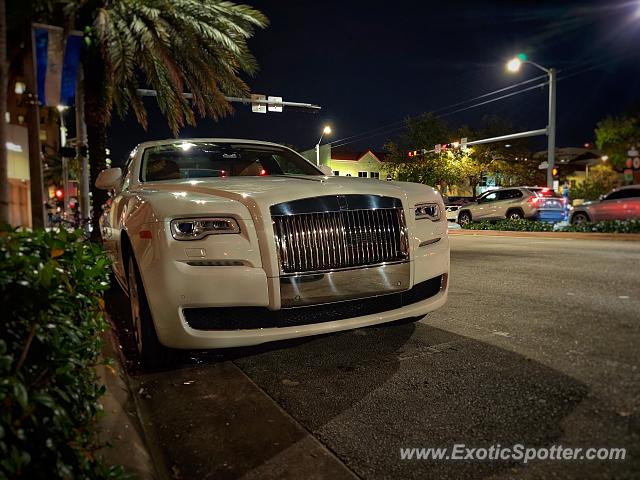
x=513, y=66
x=325, y=131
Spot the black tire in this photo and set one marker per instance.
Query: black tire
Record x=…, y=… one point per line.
x=579, y=218
x=464, y=217
x=515, y=214
x=151, y=352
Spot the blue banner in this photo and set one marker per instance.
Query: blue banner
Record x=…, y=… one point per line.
x=57, y=58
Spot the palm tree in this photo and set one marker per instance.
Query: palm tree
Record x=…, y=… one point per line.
x=170, y=46
x=4, y=75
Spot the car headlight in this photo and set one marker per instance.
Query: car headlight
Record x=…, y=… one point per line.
x=430, y=211
x=197, y=228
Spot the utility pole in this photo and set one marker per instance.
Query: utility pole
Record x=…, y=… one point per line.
x=81, y=147
x=551, y=127
x=33, y=128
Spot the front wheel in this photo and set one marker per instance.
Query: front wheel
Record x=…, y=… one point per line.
x=150, y=351
x=579, y=218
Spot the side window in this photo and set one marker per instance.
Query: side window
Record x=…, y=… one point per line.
x=362, y=174
x=491, y=197
x=628, y=193
x=616, y=195
x=374, y=175
x=505, y=194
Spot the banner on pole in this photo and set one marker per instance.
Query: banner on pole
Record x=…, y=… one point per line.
x=57, y=58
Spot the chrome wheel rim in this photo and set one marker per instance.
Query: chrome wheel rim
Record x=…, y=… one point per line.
x=579, y=219
x=464, y=220
x=515, y=216
x=134, y=301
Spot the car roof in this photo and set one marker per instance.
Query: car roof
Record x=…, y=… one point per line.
x=626, y=187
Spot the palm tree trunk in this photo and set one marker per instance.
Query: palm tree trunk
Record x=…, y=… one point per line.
x=96, y=117
x=4, y=74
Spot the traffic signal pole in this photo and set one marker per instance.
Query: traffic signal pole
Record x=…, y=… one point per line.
x=551, y=127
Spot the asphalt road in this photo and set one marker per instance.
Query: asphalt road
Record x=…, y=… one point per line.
x=539, y=344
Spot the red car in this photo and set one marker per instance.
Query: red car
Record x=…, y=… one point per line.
x=619, y=204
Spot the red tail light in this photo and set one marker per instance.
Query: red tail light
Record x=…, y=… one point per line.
x=533, y=201
x=263, y=172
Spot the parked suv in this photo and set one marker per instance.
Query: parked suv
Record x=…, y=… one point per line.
x=619, y=204
x=514, y=203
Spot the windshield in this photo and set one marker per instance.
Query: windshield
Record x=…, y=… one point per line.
x=206, y=159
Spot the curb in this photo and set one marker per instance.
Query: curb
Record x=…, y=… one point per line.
x=130, y=447
x=551, y=235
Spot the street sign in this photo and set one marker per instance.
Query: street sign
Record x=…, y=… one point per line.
x=556, y=185
x=636, y=163
x=437, y=148
x=543, y=165
x=628, y=175
x=633, y=152
x=463, y=143
x=275, y=104
x=258, y=107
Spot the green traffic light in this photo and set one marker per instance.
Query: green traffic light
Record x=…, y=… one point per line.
x=522, y=57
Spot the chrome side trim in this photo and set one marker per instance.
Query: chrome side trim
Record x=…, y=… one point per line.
x=339, y=285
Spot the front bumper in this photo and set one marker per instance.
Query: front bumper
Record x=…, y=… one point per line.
x=174, y=287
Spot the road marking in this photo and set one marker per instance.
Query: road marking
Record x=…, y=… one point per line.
x=623, y=296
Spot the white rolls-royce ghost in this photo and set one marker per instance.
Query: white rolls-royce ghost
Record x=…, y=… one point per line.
x=225, y=243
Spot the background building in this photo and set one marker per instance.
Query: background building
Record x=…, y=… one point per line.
x=363, y=164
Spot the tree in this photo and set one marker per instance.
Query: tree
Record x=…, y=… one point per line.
x=602, y=179
x=171, y=46
x=614, y=136
x=4, y=77
x=423, y=131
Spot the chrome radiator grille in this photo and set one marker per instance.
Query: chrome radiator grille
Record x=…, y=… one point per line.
x=316, y=241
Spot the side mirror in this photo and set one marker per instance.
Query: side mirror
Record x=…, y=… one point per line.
x=109, y=179
x=326, y=169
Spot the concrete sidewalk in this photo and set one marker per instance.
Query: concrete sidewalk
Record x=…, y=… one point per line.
x=120, y=428
x=558, y=235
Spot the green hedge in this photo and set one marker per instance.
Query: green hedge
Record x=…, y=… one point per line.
x=511, y=225
x=609, y=226
x=51, y=286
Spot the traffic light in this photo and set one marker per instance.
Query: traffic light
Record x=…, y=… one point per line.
x=554, y=172
x=59, y=193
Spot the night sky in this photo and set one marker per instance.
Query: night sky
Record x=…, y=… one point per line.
x=369, y=64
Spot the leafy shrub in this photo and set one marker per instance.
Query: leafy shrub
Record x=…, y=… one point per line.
x=608, y=226
x=521, y=225
x=50, y=286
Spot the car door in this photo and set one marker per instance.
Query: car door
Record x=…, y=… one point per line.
x=610, y=207
x=484, y=209
x=631, y=203
x=503, y=202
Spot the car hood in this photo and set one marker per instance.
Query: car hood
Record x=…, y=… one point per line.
x=197, y=195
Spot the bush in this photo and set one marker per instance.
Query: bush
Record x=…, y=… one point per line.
x=608, y=226
x=50, y=285
x=511, y=225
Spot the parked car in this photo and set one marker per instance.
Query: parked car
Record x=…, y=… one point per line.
x=534, y=203
x=224, y=243
x=453, y=204
x=619, y=204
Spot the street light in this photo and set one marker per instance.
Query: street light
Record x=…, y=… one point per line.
x=513, y=66
x=325, y=131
